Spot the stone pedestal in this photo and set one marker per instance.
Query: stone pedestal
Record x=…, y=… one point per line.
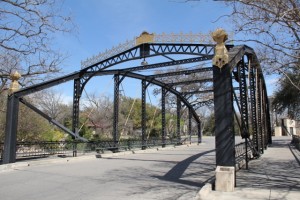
x=225, y=179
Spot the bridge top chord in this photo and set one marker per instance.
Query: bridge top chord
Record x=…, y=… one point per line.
x=145, y=37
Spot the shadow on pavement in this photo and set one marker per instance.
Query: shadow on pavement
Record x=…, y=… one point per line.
x=275, y=170
x=176, y=173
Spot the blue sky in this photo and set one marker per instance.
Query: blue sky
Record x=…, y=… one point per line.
x=102, y=24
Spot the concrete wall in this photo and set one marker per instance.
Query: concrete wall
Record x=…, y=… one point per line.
x=292, y=126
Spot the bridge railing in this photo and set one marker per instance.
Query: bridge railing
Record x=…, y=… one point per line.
x=1, y=151
x=296, y=141
x=240, y=154
x=29, y=150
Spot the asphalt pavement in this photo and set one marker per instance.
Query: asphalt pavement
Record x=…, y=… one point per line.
x=168, y=173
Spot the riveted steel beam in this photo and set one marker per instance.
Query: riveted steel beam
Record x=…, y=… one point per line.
x=253, y=105
x=10, y=141
x=187, y=82
x=143, y=122
x=198, y=92
x=178, y=109
x=223, y=107
x=51, y=120
x=163, y=116
x=190, y=125
x=116, y=109
x=182, y=72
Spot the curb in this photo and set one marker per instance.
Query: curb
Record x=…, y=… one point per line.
x=108, y=155
x=204, y=191
x=12, y=166
x=18, y=165
x=139, y=151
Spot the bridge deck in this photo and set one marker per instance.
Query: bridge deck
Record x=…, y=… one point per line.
x=165, y=174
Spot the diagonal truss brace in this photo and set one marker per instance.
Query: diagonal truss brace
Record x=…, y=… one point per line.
x=51, y=120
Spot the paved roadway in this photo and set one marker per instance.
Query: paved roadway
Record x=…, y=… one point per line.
x=172, y=173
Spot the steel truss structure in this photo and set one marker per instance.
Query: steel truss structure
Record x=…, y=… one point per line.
x=252, y=100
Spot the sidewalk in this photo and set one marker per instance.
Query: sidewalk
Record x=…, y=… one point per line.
x=276, y=175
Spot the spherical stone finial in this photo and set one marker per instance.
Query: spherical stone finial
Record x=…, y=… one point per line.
x=14, y=86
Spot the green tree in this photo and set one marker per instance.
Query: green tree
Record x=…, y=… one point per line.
x=32, y=127
x=209, y=128
x=287, y=98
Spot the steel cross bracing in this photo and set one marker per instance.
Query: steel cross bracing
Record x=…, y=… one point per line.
x=197, y=53
x=243, y=98
x=200, y=104
x=149, y=50
x=253, y=107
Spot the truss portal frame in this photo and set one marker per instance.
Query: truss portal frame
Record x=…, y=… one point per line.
x=195, y=53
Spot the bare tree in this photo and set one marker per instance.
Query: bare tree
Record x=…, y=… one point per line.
x=51, y=102
x=275, y=27
x=99, y=114
x=27, y=29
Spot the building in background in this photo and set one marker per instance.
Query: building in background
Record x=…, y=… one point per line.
x=287, y=127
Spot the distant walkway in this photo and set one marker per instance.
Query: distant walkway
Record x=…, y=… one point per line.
x=276, y=175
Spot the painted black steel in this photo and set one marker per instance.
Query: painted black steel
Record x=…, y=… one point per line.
x=9, y=155
x=51, y=120
x=199, y=133
x=116, y=109
x=187, y=82
x=178, y=119
x=199, y=52
x=253, y=108
x=163, y=116
x=198, y=92
x=223, y=106
x=182, y=72
x=143, y=122
x=47, y=84
x=264, y=121
x=259, y=113
x=200, y=104
x=243, y=98
x=140, y=51
x=76, y=99
x=268, y=120
x=190, y=125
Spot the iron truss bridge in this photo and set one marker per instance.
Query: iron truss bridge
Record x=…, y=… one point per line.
x=237, y=92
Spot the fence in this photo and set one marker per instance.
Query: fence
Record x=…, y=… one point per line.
x=29, y=150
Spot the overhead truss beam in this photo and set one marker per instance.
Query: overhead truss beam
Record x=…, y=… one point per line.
x=183, y=72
